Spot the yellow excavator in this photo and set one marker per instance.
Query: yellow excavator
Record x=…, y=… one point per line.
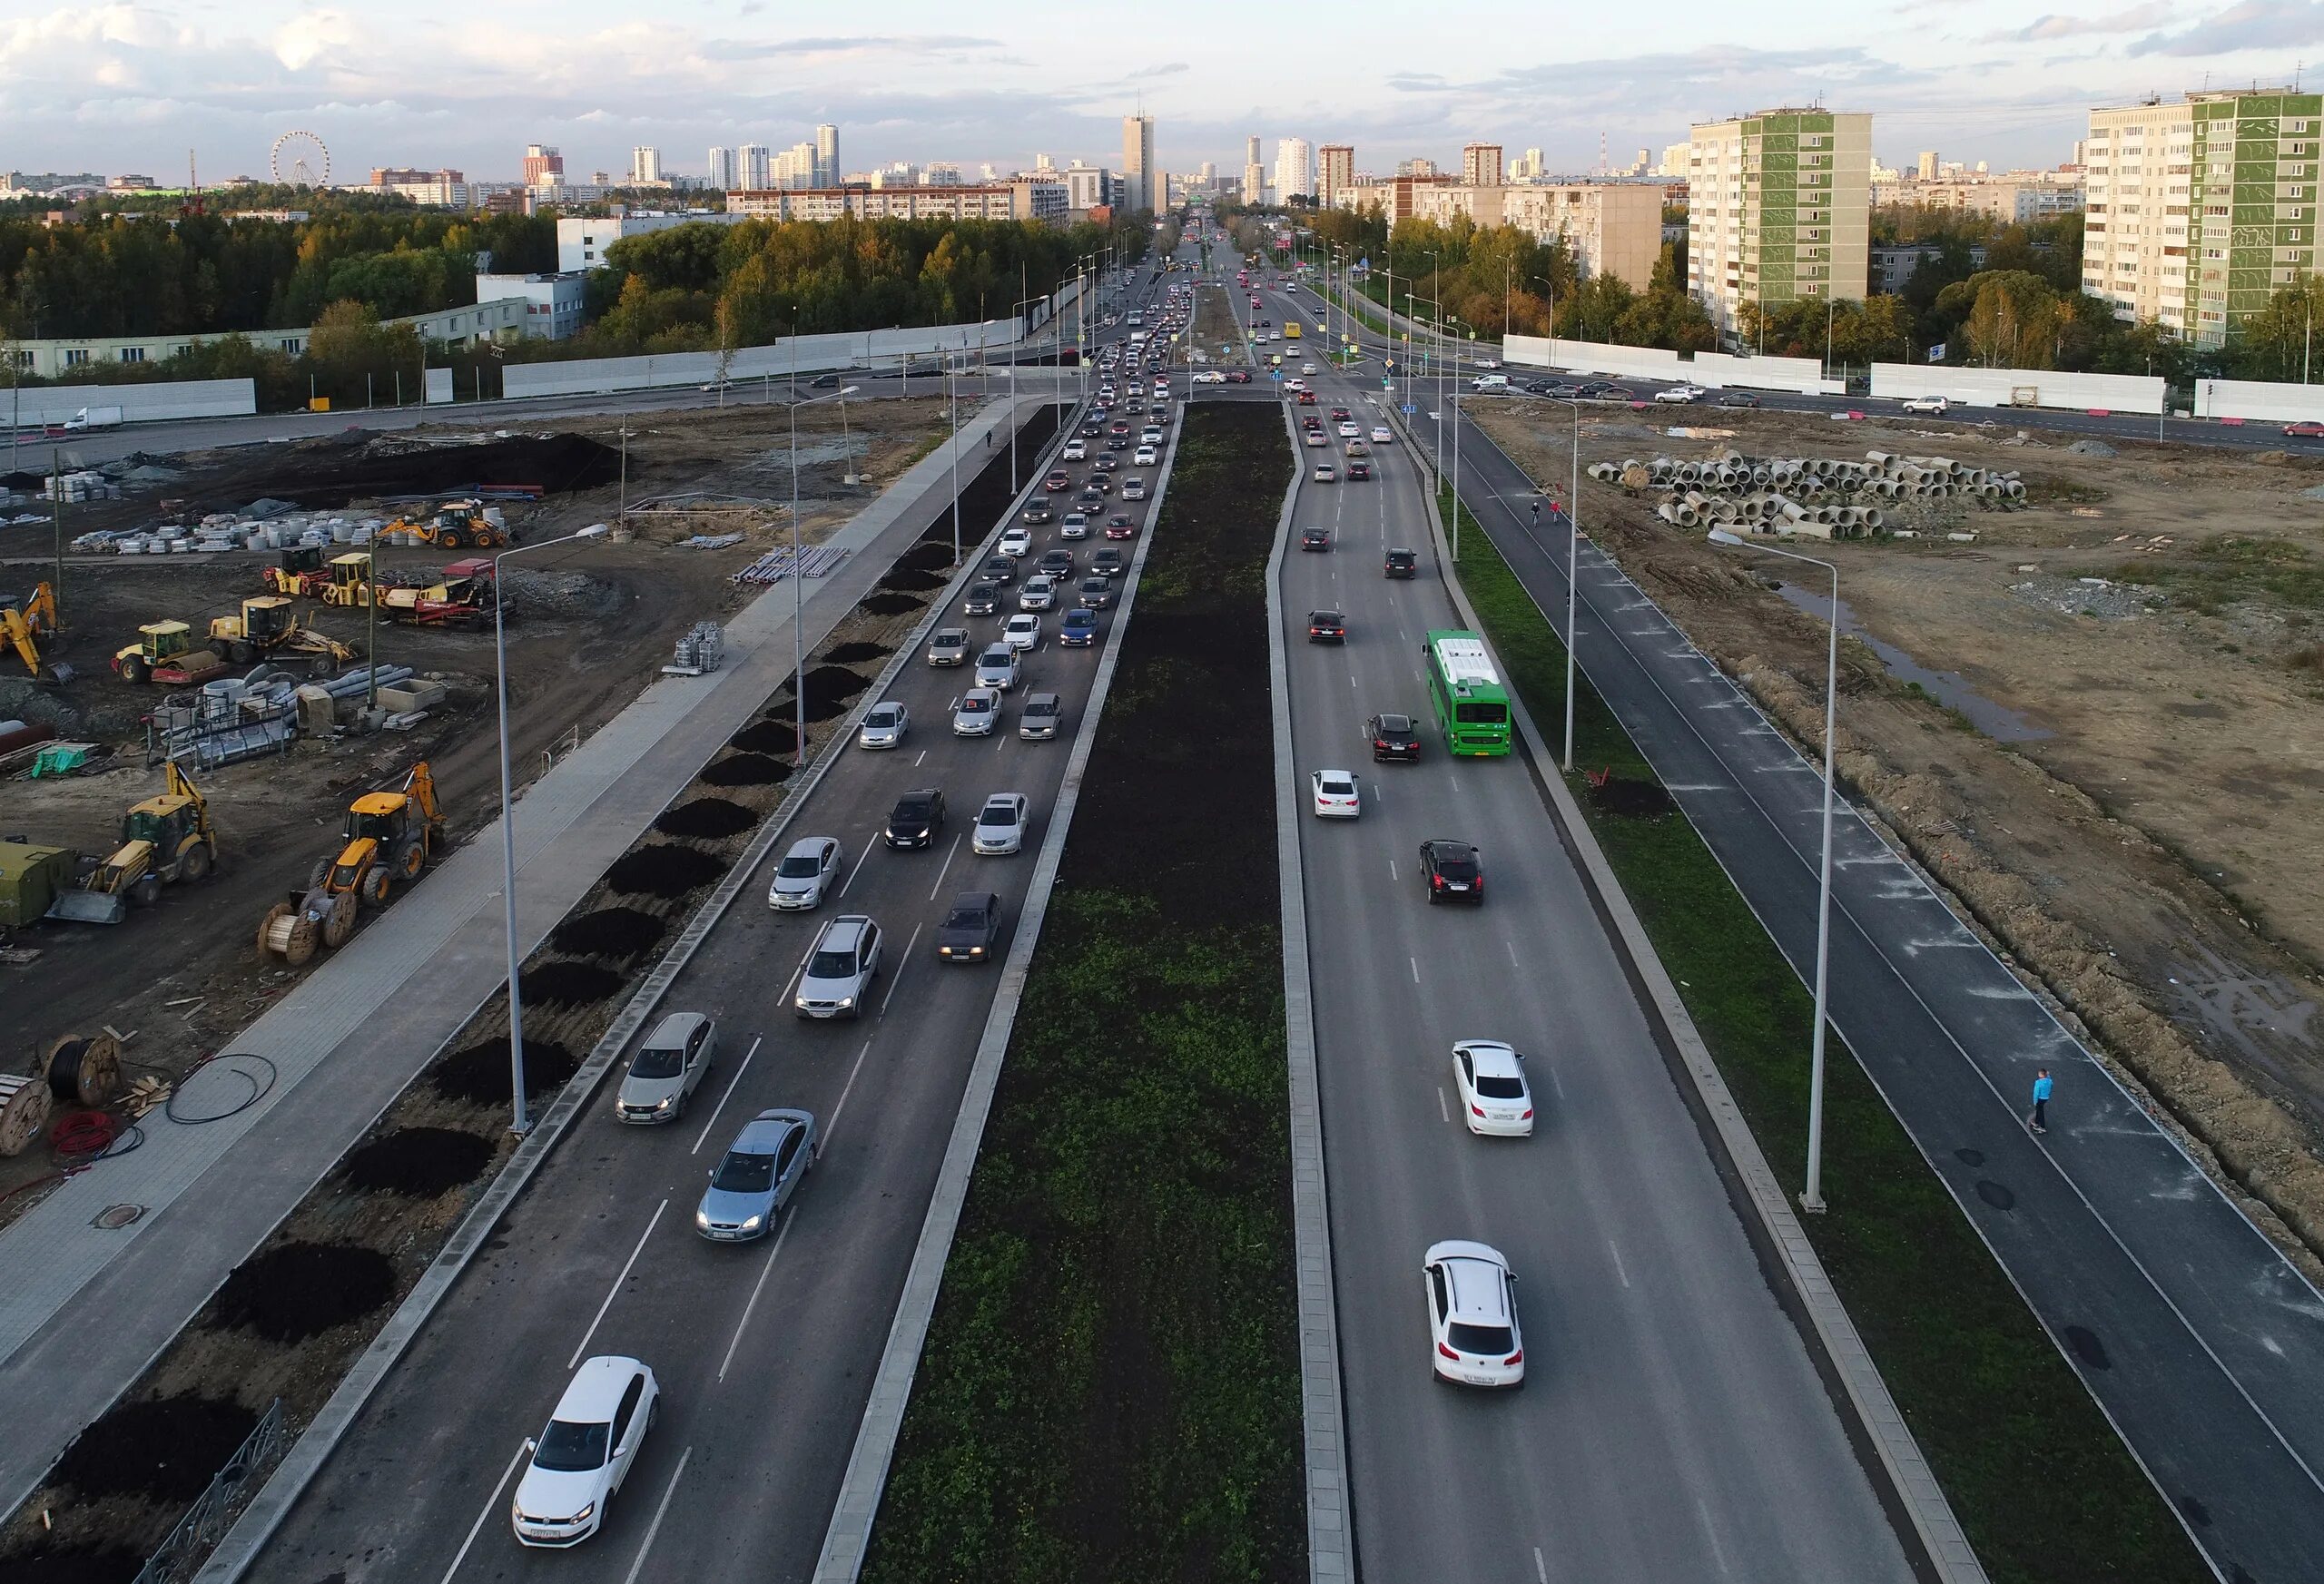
x=164, y=841
x=390, y=838
x=23, y=623
x=267, y=625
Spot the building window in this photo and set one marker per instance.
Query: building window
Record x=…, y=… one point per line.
x=75, y=356
x=133, y=354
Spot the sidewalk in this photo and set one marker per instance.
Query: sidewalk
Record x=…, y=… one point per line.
x=84, y=1311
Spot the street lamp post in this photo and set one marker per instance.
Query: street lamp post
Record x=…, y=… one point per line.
x=798, y=567
x=1812, y=1200
x=519, y=1124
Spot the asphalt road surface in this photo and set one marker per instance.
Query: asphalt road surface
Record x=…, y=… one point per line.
x=765, y=1350
x=1672, y=1425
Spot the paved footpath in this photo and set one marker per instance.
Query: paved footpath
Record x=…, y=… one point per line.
x=84, y=1311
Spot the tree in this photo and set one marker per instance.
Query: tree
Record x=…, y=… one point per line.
x=2278, y=341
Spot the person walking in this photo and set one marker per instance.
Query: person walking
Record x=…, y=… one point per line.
x=2040, y=1120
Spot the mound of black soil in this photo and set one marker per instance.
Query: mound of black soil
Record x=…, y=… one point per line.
x=334, y=471
x=479, y=1074
x=762, y=736
x=168, y=1448
x=712, y=817
x=889, y=604
x=928, y=554
x=1639, y=799
x=568, y=984
x=900, y=577
x=619, y=933
x=746, y=770
x=112, y=1566
x=661, y=870
x=856, y=653
x=419, y=1162
x=299, y=1290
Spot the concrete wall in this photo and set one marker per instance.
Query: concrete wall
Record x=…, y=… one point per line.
x=2019, y=387
x=815, y=354
x=1715, y=370
x=439, y=386
x=2264, y=400
x=166, y=398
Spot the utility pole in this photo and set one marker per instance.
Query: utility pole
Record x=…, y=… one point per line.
x=56, y=531
x=622, y=521
x=371, y=629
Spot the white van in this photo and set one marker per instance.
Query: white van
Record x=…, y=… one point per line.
x=1489, y=382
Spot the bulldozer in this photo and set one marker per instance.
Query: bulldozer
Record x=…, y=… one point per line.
x=456, y=524
x=23, y=623
x=164, y=841
x=298, y=570
x=390, y=838
x=164, y=653
x=268, y=625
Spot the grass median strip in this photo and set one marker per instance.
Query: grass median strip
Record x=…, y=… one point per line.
x=2042, y=1485
x=1111, y=1386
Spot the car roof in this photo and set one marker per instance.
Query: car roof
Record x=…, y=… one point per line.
x=1050, y=699
x=1474, y=1272
x=595, y=1389
x=1010, y=798
x=1335, y=774
x=1492, y=1057
x=847, y=928
x=885, y=703
x=1393, y=722
x=919, y=794
x=765, y=1133
x=1449, y=847
x=675, y=1029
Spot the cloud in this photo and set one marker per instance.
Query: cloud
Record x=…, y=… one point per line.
x=311, y=36
x=2153, y=14
x=2255, y=24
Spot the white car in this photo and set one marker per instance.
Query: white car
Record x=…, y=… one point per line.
x=885, y=726
x=1075, y=526
x=1348, y=431
x=1133, y=488
x=585, y=1451
x=1681, y=393
x=1000, y=824
x=803, y=874
x=1336, y=795
x=1325, y=473
x=1928, y=404
x=1146, y=457
x=1307, y=367
x=997, y=667
x=1473, y=1315
x=975, y=712
x=839, y=968
x=1021, y=632
x=1294, y=385
x=1150, y=435
x=1381, y=436
x=1495, y=1099
x=1210, y=377
x=1076, y=451
x=1015, y=543
x=1488, y=363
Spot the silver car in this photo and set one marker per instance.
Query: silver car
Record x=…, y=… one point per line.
x=997, y=667
x=812, y=864
x=1038, y=595
x=1042, y=714
x=885, y=726
x=838, y=968
x=666, y=1068
x=1001, y=825
x=756, y=1176
x=976, y=712
x=949, y=647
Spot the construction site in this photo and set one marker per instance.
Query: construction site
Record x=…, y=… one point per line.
x=204, y=784
x=2078, y=684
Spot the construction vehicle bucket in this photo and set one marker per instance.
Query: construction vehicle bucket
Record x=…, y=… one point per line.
x=79, y=907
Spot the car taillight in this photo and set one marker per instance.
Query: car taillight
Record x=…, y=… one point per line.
x=1516, y=1358
x=1379, y=746
x=1526, y=1116
x=1447, y=1351
x=1478, y=884
x=1437, y=881
x=1478, y=1109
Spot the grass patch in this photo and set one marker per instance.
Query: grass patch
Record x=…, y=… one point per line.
x=2237, y=567
x=2007, y=1428
x=1110, y=1388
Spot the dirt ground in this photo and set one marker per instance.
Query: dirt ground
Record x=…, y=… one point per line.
x=594, y=625
x=2146, y=841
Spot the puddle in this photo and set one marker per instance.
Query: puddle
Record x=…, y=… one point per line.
x=2001, y=724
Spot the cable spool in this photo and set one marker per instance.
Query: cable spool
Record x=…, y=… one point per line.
x=24, y=1104
x=83, y=1069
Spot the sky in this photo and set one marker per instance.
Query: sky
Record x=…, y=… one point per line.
x=121, y=88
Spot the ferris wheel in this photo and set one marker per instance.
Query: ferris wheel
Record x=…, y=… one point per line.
x=300, y=158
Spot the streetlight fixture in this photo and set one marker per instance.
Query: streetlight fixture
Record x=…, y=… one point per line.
x=519, y=1124
x=798, y=567
x=1812, y=1200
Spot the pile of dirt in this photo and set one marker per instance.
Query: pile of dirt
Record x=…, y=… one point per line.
x=663, y=869
x=927, y=556
x=890, y=604
x=334, y=470
x=858, y=653
x=830, y=687
x=762, y=737
x=298, y=1290
x=904, y=577
x=619, y=933
x=167, y=1448
x=711, y=817
x=479, y=1074
x=1640, y=800
x=419, y=1162
x=110, y=1566
x=746, y=770
x=568, y=984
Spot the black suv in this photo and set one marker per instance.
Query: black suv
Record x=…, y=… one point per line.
x=919, y=815
x=1393, y=738
x=1327, y=627
x=1451, y=869
x=1403, y=564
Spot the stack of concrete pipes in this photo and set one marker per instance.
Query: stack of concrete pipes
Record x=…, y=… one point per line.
x=1795, y=495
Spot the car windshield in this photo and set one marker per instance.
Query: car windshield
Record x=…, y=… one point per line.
x=996, y=815
x=828, y=964
x=743, y=1173
x=1492, y=1088
x=964, y=918
x=567, y=1448
x=914, y=809
x=800, y=866
x=655, y=1062
x=1479, y=1339
x=1038, y=707
x=885, y=716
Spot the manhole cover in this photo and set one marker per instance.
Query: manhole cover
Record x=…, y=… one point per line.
x=113, y=1217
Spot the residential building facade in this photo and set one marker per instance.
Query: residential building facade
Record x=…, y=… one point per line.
x=2014, y=198
x=753, y=167
x=581, y=243
x=544, y=166
x=826, y=172
x=1481, y=165
x=1778, y=207
x=1024, y=198
x=1295, y=164
x=1138, y=162
x=1612, y=228
x=1334, y=173
x=645, y=167
x=723, y=177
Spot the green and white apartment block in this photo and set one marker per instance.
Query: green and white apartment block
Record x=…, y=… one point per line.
x=2200, y=210
x=1778, y=207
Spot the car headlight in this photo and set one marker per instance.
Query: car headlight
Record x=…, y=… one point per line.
x=665, y=1103
x=584, y=1515
x=752, y=1223
x=517, y=1512
x=846, y=1001
x=701, y=1219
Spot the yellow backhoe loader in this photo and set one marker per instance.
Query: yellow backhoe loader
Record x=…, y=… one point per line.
x=25, y=623
x=456, y=525
x=390, y=838
x=164, y=841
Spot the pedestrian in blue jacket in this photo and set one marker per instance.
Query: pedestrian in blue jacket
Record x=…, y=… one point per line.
x=2039, y=1121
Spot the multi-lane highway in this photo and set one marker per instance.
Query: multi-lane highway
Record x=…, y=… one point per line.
x=764, y=1351
x=1672, y=1424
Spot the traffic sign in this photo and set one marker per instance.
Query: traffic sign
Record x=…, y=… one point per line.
x=1407, y=409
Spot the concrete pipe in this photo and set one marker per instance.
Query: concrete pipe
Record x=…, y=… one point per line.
x=1666, y=512
x=1875, y=519
x=1940, y=492
x=1762, y=475
x=1688, y=473
x=2013, y=489
x=1686, y=516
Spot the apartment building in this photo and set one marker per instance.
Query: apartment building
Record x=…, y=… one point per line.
x=1396, y=197
x=1778, y=207
x=1295, y=168
x=1480, y=164
x=1612, y=228
x=1254, y=174
x=1018, y=200
x=1139, y=169
x=1334, y=173
x=2200, y=211
x=2014, y=197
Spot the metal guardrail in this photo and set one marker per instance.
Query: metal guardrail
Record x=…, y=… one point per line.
x=206, y=1522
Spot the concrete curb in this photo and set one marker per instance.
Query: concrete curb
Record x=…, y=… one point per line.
x=1331, y=1541
x=267, y=1511
x=1911, y=1488
x=849, y=1539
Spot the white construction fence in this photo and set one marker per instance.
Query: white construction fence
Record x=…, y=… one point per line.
x=2234, y=400
x=152, y=402
x=2020, y=386
x=1712, y=370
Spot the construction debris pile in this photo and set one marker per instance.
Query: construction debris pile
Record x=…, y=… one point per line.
x=1822, y=497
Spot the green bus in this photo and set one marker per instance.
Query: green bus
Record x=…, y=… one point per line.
x=1472, y=710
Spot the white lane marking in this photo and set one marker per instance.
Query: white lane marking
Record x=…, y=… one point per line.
x=757, y=1287
x=897, y=977
x=729, y=1095
x=491, y=1502
x=824, y=1142
x=868, y=850
x=655, y=1527
x=948, y=864
x=921, y=760
x=614, y=1291
x=1392, y=869
x=1711, y=1533
x=1350, y=680
x=1540, y=1569
x=1415, y=962
x=1443, y=1108
x=1618, y=1262
x=1556, y=1085
x=1511, y=945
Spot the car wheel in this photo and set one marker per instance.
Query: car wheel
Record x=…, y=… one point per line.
x=654, y=1415
x=1431, y=899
